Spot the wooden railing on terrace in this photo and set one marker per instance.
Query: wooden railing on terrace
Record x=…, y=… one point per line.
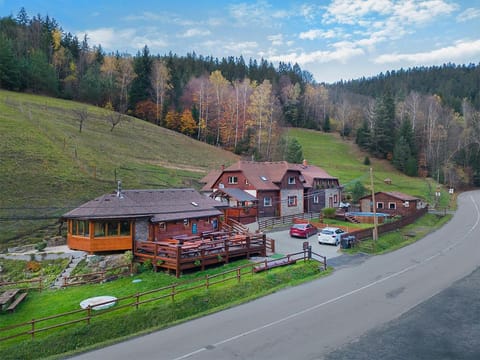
x=172, y=254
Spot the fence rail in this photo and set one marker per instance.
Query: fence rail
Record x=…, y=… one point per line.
x=285, y=220
x=36, y=326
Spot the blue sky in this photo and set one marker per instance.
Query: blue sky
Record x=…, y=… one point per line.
x=334, y=40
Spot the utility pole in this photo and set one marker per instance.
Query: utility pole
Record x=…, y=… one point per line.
x=374, y=206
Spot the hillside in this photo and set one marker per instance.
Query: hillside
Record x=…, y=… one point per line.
x=343, y=159
x=48, y=166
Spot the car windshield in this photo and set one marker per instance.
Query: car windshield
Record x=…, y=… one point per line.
x=327, y=232
x=299, y=226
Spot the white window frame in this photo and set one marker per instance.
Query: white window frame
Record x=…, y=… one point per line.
x=392, y=205
x=316, y=199
x=292, y=201
x=267, y=201
x=380, y=205
x=233, y=179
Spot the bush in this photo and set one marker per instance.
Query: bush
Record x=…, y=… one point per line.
x=41, y=246
x=329, y=213
x=366, y=161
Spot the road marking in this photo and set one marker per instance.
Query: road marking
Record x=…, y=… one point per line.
x=296, y=314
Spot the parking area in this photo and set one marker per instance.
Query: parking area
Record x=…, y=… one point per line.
x=285, y=244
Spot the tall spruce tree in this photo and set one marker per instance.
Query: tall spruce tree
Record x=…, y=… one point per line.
x=141, y=87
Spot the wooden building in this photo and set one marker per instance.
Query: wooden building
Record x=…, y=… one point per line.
x=280, y=188
x=391, y=203
x=115, y=221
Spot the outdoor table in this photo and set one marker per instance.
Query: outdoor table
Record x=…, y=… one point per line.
x=8, y=296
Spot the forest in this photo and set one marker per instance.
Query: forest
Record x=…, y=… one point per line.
x=426, y=120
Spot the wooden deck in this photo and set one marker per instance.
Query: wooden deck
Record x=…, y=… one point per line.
x=190, y=252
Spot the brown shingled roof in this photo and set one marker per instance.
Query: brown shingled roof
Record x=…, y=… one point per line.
x=157, y=204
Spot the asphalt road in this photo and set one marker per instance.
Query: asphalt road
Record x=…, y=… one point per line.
x=338, y=316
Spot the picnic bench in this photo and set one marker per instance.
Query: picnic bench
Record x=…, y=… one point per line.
x=10, y=299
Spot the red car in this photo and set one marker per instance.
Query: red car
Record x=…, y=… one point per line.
x=303, y=230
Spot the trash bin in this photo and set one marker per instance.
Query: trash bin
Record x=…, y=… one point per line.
x=347, y=242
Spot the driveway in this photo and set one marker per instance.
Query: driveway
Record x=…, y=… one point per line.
x=285, y=244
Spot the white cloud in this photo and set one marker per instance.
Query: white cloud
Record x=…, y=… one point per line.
x=350, y=11
x=419, y=12
x=113, y=39
x=468, y=14
x=276, y=40
x=342, y=52
x=245, y=47
x=317, y=34
x=462, y=51
x=195, y=32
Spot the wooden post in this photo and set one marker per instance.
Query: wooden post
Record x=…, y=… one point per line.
x=137, y=299
x=178, y=262
x=33, y=328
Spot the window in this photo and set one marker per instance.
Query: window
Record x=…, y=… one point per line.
x=392, y=205
x=267, y=201
x=185, y=222
x=233, y=180
x=379, y=205
x=315, y=199
x=80, y=227
x=292, y=201
x=99, y=229
x=162, y=226
x=246, y=182
x=335, y=198
x=112, y=228
x=291, y=180
x=125, y=228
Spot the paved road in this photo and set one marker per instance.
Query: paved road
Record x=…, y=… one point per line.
x=324, y=317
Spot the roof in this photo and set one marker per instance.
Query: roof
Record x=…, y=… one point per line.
x=395, y=194
x=312, y=172
x=209, y=179
x=160, y=205
x=238, y=194
x=262, y=175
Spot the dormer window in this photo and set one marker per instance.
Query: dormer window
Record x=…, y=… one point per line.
x=233, y=180
x=291, y=180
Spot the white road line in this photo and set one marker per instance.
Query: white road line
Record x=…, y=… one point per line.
x=291, y=316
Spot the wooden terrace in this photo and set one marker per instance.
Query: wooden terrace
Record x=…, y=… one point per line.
x=186, y=252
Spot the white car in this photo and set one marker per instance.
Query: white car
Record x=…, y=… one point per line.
x=330, y=235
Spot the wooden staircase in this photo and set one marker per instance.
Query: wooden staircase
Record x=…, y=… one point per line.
x=351, y=219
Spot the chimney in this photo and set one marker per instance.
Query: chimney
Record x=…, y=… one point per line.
x=119, y=189
x=305, y=163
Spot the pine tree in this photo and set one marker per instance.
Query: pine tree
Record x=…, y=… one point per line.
x=294, y=152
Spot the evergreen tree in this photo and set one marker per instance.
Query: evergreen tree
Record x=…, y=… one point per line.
x=294, y=152
x=401, y=154
x=141, y=87
x=9, y=68
x=358, y=191
x=384, y=130
x=363, y=136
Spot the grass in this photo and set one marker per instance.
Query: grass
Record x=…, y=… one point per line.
x=116, y=326
x=48, y=166
x=397, y=239
x=343, y=159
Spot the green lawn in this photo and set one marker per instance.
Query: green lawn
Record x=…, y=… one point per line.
x=117, y=325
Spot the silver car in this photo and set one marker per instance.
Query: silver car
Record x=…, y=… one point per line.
x=330, y=235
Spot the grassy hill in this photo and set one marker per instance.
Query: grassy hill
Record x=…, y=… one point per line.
x=47, y=166
x=343, y=159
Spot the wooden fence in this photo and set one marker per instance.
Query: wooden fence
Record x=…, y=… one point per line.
x=284, y=220
x=25, y=284
x=134, y=301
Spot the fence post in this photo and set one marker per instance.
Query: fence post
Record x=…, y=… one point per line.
x=206, y=281
x=173, y=292
x=239, y=274
x=137, y=299
x=33, y=328
x=89, y=313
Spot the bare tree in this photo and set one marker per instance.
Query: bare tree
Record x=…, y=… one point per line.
x=82, y=116
x=160, y=80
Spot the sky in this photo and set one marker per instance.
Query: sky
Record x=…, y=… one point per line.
x=334, y=40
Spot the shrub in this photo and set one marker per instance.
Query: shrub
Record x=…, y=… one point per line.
x=147, y=265
x=41, y=246
x=366, y=161
x=329, y=213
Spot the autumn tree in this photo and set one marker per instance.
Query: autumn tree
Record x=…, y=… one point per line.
x=160, y=82
x=187, y=123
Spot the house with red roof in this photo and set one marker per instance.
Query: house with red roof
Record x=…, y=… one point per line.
x=279, y=188
x=391, y=203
